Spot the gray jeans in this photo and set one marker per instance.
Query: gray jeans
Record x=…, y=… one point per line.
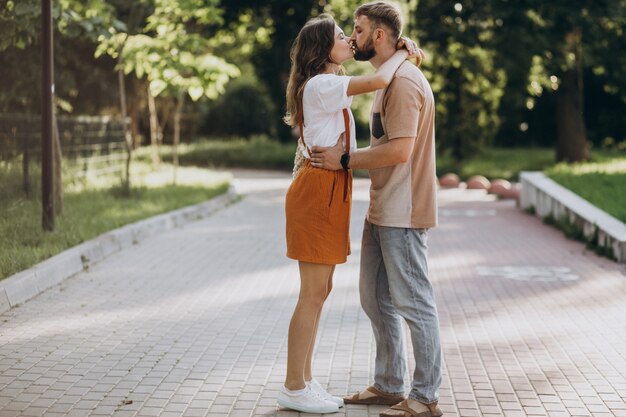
x=394, y=284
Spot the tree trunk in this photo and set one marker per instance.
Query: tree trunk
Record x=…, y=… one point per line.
x=58, y=166
x=135, y=116
x=179, y=108
x=154, y=128
x=121, y=82
x=571, y=133
x=127, y=136
x=165, y=115
x=25, y=162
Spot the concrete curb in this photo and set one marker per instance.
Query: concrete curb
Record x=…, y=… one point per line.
x=23, y=286
x=547, y=198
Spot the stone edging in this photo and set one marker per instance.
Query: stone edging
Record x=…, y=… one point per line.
x=25, y=285
x=547, y=198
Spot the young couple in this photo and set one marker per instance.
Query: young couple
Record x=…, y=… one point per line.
x=394, y=282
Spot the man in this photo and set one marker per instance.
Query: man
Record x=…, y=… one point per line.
x=394, y=280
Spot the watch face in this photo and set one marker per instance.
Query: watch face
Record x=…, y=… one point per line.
x=345, y=160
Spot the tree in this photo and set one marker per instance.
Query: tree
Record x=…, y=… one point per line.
x=282, y=20
x=558, y=65
x=20, y=20
x=462, y=71
x=20, y=28
x=242, y=111
x=174, y=56
x=567, y=37
x=513, y=45
x=499, y=57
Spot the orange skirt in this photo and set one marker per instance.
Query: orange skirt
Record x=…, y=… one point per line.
x=317, y=209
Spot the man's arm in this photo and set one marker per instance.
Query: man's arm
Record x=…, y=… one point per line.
x=403, y=109
x=383, y=76
x=396, y=151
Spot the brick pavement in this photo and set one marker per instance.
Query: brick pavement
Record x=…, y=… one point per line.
x=193, y=322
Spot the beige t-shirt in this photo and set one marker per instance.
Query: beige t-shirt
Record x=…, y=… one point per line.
x=405, y=195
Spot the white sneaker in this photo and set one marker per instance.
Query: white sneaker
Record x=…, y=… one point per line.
x=319, y=390
x=306, y=401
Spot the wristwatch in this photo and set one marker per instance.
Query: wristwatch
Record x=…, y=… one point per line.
x=345, y=160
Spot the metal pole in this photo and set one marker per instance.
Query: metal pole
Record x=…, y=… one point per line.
x=47, y=161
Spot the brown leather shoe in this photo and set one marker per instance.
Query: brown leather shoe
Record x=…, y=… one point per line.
x=379, y=398
x=425, y=410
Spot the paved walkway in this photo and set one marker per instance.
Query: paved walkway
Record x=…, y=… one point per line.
x=193, y=322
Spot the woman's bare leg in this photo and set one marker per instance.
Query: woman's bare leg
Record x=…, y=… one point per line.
x=313, y=292
x=308, y=374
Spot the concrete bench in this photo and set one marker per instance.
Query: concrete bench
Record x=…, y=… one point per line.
x=547, y=198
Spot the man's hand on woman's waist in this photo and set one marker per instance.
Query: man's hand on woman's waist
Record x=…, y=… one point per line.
x=328, y=157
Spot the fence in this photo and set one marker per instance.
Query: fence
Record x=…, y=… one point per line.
x=91, y=145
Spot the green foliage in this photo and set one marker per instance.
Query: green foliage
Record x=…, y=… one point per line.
x=553, y=22
x=173, y=57
x=76, y=23
x=245, y=109
x=560, y=37
x=528, y=46
x=469, y=89
x=282, y=20
x=238, y=38
x=342, y=12
x=494, y=163
x=261, y=152
x=496, y=67
x=83, y=84
x=258, y=152
x=20, y=20
x=461, y=68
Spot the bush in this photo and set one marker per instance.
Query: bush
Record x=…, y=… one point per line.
x=245, y=109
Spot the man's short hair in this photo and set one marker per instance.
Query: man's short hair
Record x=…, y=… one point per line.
x=382, y=13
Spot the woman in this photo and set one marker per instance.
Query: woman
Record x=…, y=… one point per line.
x=318, y=201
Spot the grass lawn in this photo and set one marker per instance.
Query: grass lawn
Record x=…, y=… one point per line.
x=260, y=152
x=96, y=206
x=494, y=163
x=601, y=183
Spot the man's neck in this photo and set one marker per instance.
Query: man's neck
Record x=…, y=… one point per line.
x=382, y=56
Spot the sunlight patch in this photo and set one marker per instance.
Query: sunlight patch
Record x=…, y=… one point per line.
x=529, y=273
x=466, y=213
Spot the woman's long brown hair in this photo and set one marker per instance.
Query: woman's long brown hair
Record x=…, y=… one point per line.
x=310, y=53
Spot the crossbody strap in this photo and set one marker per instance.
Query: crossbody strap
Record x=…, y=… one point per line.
x=346, y=124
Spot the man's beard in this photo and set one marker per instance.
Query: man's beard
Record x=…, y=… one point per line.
x=366, y=53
